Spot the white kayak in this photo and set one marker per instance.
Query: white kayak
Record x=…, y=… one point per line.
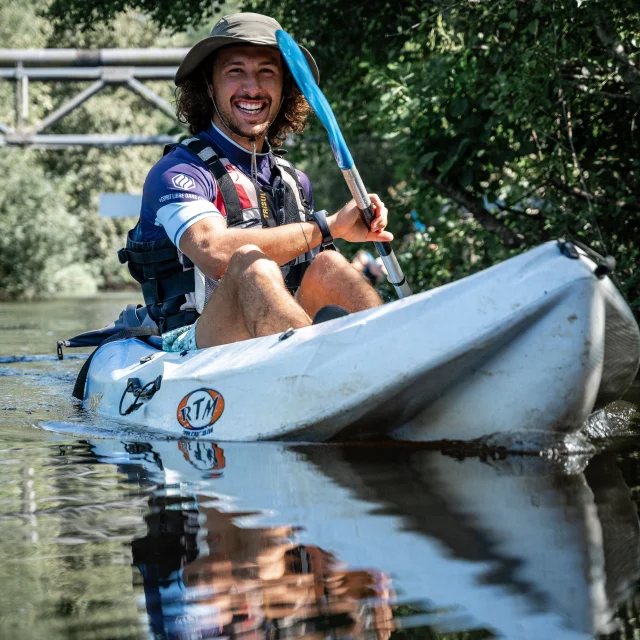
x=512, y=355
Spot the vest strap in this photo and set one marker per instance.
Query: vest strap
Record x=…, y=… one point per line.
x=147, y=257
x=228, y=191
x=229, y=194
x=291, y=170
x=184, y=318
x=294, y=275
x=159, y=291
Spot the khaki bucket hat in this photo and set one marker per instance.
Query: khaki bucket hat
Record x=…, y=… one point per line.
x=238, y=28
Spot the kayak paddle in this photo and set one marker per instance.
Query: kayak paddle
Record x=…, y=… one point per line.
x=304, y=78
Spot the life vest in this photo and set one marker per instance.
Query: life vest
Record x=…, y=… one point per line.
x=174, y=290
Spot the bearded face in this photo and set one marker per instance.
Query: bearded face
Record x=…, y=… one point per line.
x=247, y=89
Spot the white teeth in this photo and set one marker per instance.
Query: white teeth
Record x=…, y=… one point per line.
x=251, y=107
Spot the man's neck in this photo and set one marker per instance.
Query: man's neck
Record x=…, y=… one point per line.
x=245, y=143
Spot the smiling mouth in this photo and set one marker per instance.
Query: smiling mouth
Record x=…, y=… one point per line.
x=251, y=107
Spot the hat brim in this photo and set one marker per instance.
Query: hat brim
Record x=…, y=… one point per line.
x=206, y=47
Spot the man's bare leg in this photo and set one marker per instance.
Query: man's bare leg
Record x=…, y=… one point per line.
x=332, y=280
x=251, y=301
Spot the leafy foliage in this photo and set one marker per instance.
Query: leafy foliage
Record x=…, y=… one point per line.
x=34, y=229
x=522, y=114
x=72, y=179
x=498, y=125
x=86, y=14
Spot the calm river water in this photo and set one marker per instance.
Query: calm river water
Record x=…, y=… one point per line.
x=104, y=535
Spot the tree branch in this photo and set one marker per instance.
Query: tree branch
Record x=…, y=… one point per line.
x=616, y=50
x=536, y=217
x=508, y=237
x=583, y=195
x=605, y=94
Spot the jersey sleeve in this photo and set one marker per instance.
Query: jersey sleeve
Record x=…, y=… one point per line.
x=177, y=193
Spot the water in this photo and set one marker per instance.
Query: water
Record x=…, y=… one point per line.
x=115, y=538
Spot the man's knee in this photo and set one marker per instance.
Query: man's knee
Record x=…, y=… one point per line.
x=244, y=258
x=330, y=261
x=244, y=255
x=327, y=264
x=249, y=262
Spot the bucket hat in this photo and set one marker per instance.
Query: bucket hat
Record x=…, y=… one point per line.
x=238, y=28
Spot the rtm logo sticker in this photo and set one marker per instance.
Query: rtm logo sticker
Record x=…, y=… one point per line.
x=199, y=410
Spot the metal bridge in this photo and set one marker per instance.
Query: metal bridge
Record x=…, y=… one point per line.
x=106, y=67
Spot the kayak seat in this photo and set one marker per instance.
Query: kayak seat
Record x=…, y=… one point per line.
x=329, y=312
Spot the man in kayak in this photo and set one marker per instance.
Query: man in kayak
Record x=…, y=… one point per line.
x=241, y=216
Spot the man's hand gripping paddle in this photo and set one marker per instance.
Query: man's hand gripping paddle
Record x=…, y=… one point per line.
x=304, y=78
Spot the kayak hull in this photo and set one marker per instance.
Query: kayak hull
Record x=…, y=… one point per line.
x=515, y=353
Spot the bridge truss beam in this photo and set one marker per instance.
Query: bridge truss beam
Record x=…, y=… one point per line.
x=106, y=67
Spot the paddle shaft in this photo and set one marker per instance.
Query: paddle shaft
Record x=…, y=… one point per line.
x=306, y=82
x=360, y=195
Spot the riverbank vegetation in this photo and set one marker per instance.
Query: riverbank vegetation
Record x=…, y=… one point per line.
x=487, y=127
x=52, y=240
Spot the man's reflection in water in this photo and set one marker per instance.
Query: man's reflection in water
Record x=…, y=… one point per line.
x=206, y=576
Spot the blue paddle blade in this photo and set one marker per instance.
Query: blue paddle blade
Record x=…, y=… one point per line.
x=301, y=73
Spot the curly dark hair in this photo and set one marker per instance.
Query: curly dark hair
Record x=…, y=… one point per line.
x=194, y=106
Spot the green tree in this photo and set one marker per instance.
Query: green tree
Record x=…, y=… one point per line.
x=73, y=178
x=503, y=124
x=35, y=229
x=521, y=114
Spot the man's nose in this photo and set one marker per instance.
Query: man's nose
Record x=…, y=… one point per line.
x=252, y=84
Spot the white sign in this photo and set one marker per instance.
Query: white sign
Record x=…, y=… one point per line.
x=120, y=205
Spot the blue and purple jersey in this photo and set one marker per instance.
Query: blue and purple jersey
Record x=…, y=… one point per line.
x=180, y=190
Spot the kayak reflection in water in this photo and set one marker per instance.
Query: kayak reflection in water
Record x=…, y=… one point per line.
x=236, y=541
x=204, y=575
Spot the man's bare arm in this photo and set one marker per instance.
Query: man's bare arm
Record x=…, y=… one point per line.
x=210, y=243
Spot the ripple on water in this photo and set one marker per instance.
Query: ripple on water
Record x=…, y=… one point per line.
x=64, y=527
x=10, y=371
x=41, y=358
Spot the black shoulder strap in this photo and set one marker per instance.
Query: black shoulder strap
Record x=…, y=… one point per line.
x=206, y=153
